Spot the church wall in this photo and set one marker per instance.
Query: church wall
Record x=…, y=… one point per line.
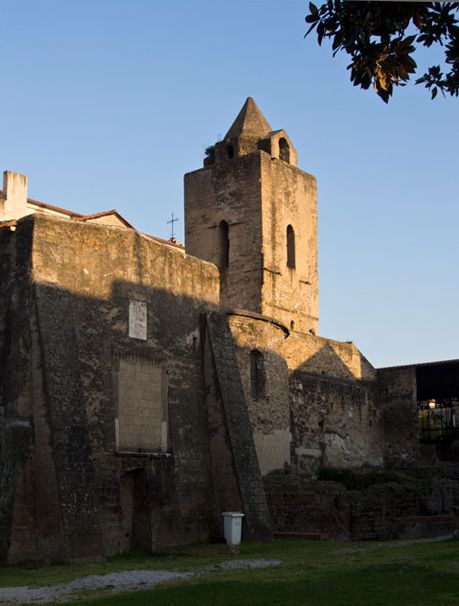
x=228, y=191
x=84, y=278
x=29, y=513
x=289, y=197
x=268, y=403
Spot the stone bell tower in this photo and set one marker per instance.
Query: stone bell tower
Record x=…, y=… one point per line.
x=253, y=213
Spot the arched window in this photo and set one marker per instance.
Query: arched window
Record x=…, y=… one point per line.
x=230, y=151
x=224, y=244
x=257, y=374
x=284, y=150
x=290, y=247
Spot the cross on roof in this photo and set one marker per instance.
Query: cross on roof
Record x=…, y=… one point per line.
x=172, y=221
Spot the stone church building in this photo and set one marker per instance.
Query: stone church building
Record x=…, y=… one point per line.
x=146, y=387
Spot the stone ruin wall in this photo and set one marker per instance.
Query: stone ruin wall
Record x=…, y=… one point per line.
x=321, y=406
x=269, y=411
x=83, y=279
x=334, y=403
x=336, y=424
x=320, y=411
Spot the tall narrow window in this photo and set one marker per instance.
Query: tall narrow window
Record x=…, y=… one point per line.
x=224, y=244
x=284, y=150
x=290, y=247
x=257, y=374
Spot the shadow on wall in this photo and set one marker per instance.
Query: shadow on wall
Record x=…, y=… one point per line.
x=335, y=417
x=91, y=368
x=327, y=356
x=325, y=361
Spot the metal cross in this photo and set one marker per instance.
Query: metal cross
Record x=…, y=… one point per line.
x=172, y=221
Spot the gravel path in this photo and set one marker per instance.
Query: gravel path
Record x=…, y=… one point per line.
x=116, y=582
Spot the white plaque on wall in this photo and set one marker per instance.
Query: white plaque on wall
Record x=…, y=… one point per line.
x=138, y=320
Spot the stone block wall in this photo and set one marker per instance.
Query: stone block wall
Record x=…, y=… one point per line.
x=120, y=430
x=245, y=193
x=142, y=405
x=269, y=411
x=289, y=197
x=322, y=356
x=307, y=506
x=228, y=192
x=335, y=423
x=381, y=510
x=226, y=493
x=238, y=433
x=79, y=282
x=334, y=405
x=323, y=411
x=17, y=511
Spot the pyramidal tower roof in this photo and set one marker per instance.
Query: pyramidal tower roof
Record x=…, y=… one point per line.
x=250, y=122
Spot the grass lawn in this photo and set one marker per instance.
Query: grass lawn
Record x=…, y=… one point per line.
x=313, y=573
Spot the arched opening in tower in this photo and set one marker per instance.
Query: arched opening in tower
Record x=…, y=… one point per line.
x=284, y=150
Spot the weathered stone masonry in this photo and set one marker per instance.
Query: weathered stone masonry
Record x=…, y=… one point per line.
x=80, y=338
x=144, y=390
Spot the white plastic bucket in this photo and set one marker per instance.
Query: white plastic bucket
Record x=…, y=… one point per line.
x=232, y=527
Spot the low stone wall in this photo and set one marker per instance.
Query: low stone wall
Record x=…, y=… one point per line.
x=373, y=505
x=307, y=506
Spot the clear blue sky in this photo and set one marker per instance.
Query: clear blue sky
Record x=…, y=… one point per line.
x=107, y=103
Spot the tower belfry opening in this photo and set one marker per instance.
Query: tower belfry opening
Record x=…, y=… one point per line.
x=284, y=150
